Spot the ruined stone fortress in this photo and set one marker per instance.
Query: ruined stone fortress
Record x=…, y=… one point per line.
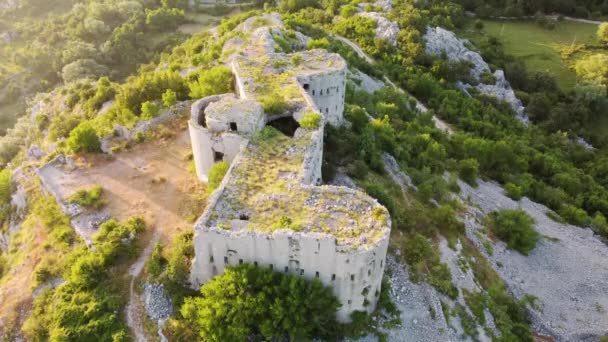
x=270, y=209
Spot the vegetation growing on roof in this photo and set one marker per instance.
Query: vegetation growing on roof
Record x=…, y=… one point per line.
x=310, y=120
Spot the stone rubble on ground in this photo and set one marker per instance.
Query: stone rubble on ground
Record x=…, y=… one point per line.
x=440, y=41
x=156, y=302
x=567, y=271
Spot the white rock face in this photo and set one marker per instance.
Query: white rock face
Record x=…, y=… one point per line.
x=567, y=271
x=385, y=29
x=364, y=82
x=440, y=41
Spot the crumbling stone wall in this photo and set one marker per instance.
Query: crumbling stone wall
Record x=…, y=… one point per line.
x=354, y=274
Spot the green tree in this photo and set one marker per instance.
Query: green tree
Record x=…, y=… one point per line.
x=516, y=228
x=247, y=300
x=84, y=138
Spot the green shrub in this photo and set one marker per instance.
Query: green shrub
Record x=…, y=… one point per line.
x=217, y=80
x=169, y=98
x=6, y=187
x=296, y=60
x=514, y=191
x=321, y=43
x=155, y=264
x=310, y=120
x=216, y=175
x=255, y=301
x=88, y=198
x=149, y=110
x=84, y=138
x=62, y=125
x=487, y=78
x=274, y=104
x=574, y=215
x=115, y=239
x=516, y=228
x=468, y=170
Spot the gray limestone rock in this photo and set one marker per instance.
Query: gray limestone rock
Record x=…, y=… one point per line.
x=156, y=301
x=440, y=41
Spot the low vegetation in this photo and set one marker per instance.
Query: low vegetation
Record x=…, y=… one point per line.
x=516, y=228
x=216, y=175
x=88, y=198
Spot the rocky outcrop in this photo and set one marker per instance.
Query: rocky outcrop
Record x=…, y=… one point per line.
x=385, y=29
x=440, y=41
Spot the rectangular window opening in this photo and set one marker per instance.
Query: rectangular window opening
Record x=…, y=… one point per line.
x=211, y=259
x=240, y=261
x=233, y=126
x=225, y=260
x=317, y=274
x=301, y=272
x=352, y=277
x=218, y=156
x=286, y=269
x=333, y=277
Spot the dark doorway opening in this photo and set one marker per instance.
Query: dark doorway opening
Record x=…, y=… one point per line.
x=233, y=126
x=201, y=118
x=306, y=86
x=286, y=125
x=218, y=156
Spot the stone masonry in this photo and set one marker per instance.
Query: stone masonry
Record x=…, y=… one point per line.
x=270, y=209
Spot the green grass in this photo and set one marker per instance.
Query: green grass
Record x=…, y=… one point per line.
x=540, y=48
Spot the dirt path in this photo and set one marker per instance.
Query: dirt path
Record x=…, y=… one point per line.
x=151, y=180
x=134, y=309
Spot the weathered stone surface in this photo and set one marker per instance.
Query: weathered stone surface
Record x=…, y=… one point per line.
x=385, y=29
x=567, y=271
x=440, y=41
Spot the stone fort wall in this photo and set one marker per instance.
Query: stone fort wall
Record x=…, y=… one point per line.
x=354, y=273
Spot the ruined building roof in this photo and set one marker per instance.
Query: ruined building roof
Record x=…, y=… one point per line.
x=268, y=186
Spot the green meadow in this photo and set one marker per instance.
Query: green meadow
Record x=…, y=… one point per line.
x=542, y=49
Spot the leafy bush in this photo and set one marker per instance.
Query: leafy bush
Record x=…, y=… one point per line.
x=115, y=239
x=216, y=175
x=154, y=267
x=274, y=104
x=149, y=110
x=574, y=215
x=516, y=228
x=468, y=170
x=310, y=120
x=217, y=80
x=419, y=253
x=169, y=98
x=514, y=191
x=84, y=138
x=6, y=187
x=257, y=301
x=88, y=198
